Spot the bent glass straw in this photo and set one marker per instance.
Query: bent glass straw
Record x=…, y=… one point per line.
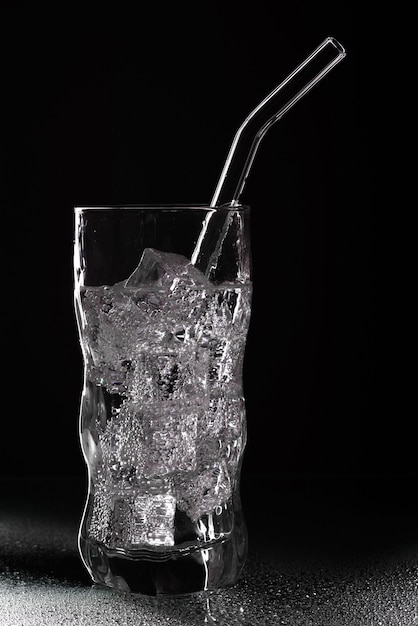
x=246, y=143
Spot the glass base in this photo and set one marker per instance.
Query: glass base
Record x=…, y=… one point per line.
x=217, y=565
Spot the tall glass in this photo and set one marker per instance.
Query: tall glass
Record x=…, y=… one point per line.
x=162, y=416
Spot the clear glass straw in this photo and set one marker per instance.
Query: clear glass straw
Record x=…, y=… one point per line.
x=247, y=140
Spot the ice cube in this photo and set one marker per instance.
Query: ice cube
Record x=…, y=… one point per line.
x=221, y=433
x=170, y=439
x=154, y=520
x=201, y=493
x=165, y=269
x=115, y=326
x=122, y=446
x=121, y=521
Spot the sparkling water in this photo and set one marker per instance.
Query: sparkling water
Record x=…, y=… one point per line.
x=163, y=414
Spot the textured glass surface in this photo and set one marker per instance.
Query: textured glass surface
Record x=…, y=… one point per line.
x=162, y=418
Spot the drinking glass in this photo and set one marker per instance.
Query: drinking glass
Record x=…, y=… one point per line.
x=162, y=411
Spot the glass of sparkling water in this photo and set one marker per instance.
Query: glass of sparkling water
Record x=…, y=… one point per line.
x=162, y=410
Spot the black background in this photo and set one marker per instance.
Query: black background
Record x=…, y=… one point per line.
x=140, y=106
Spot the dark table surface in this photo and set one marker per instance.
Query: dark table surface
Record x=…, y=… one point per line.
x=323, y=551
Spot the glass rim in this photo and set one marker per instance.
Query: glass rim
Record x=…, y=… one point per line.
x=162, y=207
